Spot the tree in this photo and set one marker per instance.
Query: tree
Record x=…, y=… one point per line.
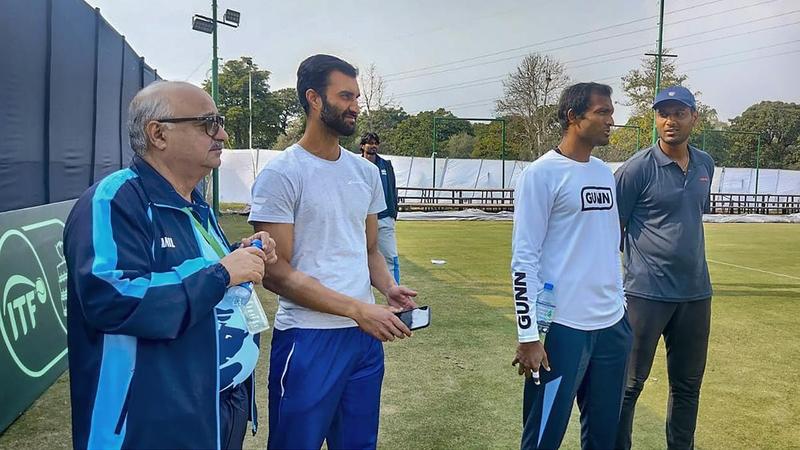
x=704, y=135
x=530, y=94
x=624, y=142
x=639, y=88
x=779, y=126
x=460, y=145
x=288, y=107
x=383, y=120
x=373, y=95
x=272, y=112
x=639, y=85
x=489, y=140
x=233, y=103
x=414, y=135
x=294, y=131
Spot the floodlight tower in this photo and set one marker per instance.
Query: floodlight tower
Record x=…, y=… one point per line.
x=658, y=57
x=208, y=25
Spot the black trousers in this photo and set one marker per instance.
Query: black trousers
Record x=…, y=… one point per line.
x=685, y=327
x=234, y=410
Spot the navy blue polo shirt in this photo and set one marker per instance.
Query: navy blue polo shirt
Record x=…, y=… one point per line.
x=661, y=209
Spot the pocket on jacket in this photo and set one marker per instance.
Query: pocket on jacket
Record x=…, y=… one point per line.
x=123, y=414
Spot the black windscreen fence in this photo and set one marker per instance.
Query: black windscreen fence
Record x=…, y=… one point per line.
x=67, y=78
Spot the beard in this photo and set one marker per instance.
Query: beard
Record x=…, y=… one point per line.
x=335, y=119
x=601, y=139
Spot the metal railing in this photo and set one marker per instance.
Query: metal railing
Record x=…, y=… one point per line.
x=755, y=203
x=443, y=199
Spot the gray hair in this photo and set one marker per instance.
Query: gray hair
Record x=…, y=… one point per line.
x=149, y=104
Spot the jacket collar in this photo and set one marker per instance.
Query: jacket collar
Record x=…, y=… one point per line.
x=379, y=161
x=160, y=191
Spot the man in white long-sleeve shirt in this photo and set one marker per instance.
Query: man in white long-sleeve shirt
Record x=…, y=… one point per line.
x=566, y=233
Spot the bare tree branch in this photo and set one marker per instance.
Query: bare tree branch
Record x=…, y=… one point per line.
x=530, y=94
x=373, y=93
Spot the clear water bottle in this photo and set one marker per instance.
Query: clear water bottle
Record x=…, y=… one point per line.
x=244, y=297
x=545, y=309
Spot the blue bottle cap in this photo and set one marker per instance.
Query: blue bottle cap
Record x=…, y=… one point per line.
x=548, y=287
x=257, y=244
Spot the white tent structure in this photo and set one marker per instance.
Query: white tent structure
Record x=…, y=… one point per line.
x=240, y=168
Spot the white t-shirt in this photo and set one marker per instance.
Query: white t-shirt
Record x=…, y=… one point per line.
x=566, y=232
x=328, y=203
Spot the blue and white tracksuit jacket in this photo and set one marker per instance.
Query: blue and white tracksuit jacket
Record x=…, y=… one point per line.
x=142, y=326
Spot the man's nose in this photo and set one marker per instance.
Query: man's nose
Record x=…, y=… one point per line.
x=221, y=135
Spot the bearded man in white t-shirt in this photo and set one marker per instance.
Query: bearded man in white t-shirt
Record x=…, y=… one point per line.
x=566, y=233
x=321, y=202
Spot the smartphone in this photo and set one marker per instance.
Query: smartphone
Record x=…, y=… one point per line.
x=415, y=318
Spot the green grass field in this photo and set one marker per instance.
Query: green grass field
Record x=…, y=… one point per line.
x=452, y=385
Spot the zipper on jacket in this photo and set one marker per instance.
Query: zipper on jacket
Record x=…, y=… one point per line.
x=216, y=335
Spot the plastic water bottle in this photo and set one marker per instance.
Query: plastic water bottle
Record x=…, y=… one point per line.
x=545, y=309
x=243, y=297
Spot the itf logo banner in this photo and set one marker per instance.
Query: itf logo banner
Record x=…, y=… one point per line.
x=33, y=305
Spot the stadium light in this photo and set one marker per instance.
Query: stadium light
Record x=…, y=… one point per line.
x=232, y=16
x=208, y=25
x=202, y=25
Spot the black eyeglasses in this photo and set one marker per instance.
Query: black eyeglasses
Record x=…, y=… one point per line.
x=212, y=123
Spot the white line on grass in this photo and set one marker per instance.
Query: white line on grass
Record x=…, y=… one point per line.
x=754, y=270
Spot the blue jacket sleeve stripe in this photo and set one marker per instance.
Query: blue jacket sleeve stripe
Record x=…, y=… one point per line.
x=105, y=249
x=153, y=244
x=116, y=372
x=138, y=287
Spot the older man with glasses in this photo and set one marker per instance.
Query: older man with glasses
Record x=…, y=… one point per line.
x=159, y=355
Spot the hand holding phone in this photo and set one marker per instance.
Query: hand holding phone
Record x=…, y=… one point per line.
x=415, y=318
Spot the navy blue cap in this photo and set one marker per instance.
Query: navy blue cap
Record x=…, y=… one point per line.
x=677, y=93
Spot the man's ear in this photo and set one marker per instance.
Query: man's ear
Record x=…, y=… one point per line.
x=155, y=134
x=314, y=99
x=572, y=118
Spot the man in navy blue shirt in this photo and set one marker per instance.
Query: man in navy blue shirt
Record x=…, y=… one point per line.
x=387, y=240
x=662, y=193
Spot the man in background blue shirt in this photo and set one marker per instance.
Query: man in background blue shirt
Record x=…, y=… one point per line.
x=387, y=240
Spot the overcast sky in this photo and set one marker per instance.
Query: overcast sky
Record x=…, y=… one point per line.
x=455, y=53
